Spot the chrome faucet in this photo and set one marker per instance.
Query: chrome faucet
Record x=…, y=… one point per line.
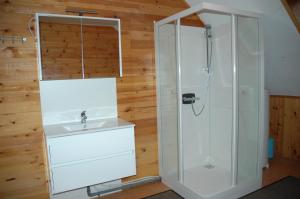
x=83, y=117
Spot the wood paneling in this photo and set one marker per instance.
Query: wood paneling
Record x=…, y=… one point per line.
x=22, y=163
x=285, y=125
x=293, y=9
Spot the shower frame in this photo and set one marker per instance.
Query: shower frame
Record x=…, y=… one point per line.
x=235, y=190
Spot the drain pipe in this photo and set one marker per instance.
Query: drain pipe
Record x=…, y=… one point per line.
x=127, y=185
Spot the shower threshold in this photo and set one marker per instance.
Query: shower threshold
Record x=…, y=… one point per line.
x=207, y=180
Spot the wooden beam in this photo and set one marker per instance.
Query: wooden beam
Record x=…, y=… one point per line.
x=293, y=9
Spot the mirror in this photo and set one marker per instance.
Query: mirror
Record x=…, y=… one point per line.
x=77, y=47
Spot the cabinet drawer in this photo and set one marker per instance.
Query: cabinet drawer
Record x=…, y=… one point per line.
x=75, y=176
x=90, y=145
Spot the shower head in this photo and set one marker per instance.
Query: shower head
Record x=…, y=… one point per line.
x=207, y=26
x=208, y=30
x=209, y=46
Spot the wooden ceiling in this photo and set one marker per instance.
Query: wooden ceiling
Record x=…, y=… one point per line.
x=293, y=9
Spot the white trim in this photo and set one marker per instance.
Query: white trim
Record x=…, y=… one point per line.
x=235, y=101
x=179, y=101
x=207, y=7
x=76, y=17
x=120, y=49
x=81, y=44
x=38, y=45
x=262, y=96
x=159, y=137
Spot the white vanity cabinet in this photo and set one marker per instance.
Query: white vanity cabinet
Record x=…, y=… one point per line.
x=84, y=158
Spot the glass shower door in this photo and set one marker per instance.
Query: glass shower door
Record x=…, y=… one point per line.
x=167, y=103
x=248, y=59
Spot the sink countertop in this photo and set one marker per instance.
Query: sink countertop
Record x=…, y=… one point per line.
x=59, y=130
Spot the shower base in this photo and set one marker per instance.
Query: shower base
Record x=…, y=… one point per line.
x=207, y=181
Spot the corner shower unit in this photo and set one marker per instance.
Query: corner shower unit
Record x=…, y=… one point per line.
x=210, y=93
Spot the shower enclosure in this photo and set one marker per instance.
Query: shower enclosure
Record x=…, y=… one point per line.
x=209, y=95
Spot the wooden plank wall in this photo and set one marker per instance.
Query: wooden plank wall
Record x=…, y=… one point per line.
x=22, y=165
x=285, y=126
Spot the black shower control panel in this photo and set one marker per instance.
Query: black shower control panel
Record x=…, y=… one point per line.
x=188, y=98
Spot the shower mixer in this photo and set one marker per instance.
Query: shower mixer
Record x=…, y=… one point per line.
x=189, y=98
x=208, y=35
x=208, y=31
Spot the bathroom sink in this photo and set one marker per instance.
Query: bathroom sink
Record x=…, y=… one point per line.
x=86, y=126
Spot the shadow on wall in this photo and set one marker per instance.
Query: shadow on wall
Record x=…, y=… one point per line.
x=282, y=44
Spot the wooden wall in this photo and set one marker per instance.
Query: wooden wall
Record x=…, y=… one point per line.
x=285, y=126
x=22, y=165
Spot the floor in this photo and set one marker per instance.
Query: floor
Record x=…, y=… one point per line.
x=139, y=192
x=279, y=168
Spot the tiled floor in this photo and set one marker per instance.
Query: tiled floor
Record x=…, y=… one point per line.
x=279, y=168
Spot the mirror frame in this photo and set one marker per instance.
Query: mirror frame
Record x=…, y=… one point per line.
x=38, y=39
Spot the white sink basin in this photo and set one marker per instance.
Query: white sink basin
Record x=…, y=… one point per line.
x=86, y=126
